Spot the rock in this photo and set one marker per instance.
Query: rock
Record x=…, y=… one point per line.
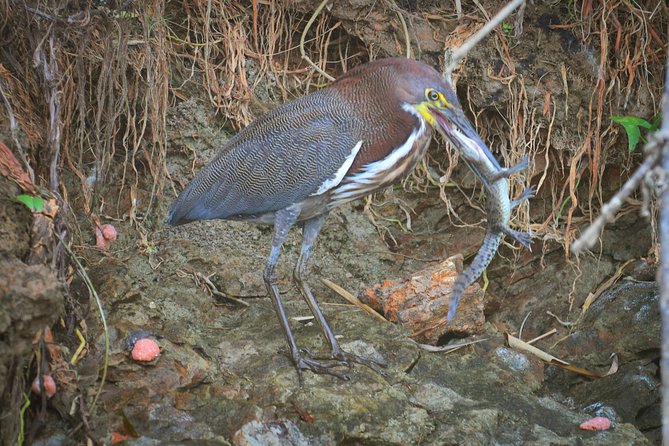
x=31, y=298
x=270, y=433
x=624, y=320
x=253, y=395
x=420, y=303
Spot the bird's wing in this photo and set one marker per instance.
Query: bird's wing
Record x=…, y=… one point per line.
x=290, y=153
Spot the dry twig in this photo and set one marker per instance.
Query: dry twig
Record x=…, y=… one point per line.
x=653, y=151
x=304, y=35
x=213, y=289
x=453, y=59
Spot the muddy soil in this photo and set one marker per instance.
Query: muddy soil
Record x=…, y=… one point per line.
x=224, y=375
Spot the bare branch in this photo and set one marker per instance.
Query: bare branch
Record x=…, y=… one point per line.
x=663, y=270
x=453, y=59
x=608, y=212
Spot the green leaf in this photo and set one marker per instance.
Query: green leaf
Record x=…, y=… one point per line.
x=655, y=122
x=631, y=125
x=631, y=121
x=633, y=135
x=34, y=203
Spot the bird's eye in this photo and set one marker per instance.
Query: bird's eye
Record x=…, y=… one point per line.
x=432, y=95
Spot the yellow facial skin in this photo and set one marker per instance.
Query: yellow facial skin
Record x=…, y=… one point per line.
x=434, y=99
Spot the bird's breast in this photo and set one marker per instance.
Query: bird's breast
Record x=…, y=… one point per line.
x=375, y=175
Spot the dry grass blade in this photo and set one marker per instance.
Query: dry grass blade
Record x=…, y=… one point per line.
x=567, y=324
x=405, y=30
x=449, y=348
x=352, y=299
x=304, y=35
x=592, y=297
x=213, y=289
x=545, y=335
x=517, y=344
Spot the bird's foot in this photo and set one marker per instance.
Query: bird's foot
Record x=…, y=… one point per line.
x=322, y=366
x=340, y=357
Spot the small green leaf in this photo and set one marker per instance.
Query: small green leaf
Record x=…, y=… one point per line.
x=633, y=135
x=631, y=125
x=34, y=203
x=655, y=122
x=631, y=120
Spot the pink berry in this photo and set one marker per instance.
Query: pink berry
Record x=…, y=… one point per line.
x=145, y=350
x=109, y=232
x=104, y=235
x=596, y=424
x=49, y=386
x=100, y=240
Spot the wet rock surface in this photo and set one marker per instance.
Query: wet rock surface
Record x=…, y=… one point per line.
x=224, y=376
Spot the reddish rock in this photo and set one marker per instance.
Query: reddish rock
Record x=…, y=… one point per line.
x=420, y=302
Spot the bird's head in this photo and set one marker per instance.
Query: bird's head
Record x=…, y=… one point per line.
x=423, y=91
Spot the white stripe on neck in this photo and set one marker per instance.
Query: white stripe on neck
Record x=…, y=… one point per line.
x=371, y=171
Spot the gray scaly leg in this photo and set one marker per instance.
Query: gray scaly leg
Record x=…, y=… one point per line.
x=283, y=221
x=311, y=229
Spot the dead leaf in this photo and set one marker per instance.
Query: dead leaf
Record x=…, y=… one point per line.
x=517, y=344
x=12, y=169
x=592, y=297
x=352, y=299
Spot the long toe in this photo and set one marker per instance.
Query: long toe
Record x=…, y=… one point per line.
x=377, y=366
x=339, y=357
x=331, y=358
x=321, y=367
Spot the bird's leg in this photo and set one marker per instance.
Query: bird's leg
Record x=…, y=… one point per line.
x=309, y=233
x=283, y=221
